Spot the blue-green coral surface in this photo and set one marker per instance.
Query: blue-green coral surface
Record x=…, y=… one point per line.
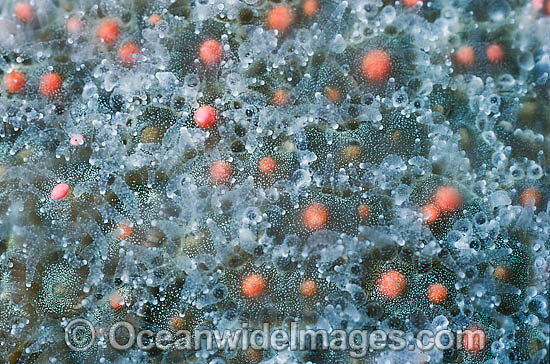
x=355, y=165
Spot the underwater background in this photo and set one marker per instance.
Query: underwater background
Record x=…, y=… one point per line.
x=344, y=165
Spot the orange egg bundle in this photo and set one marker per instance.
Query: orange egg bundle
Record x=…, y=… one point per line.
x=108, y=31
x=123, y=231
x=437, y=293
x=447, y=199
x=59, y=191
x=465, y=56
x=281, y=98
x=267, y=165
x=205, y=117
x=392, y=284
x=128, y=54
x=154, y=19
x=541, y=5
x=74, y=26
x=117, y=301
x=308, y=288
x=474, y=340
x=315, y=216
x=310, y=7
x=50, y=84
x=430, y=212
x=253, y=286
x=531, y=196
x=376, y=65
x=411, y=3
x=495, y=53
x=24, y=12
x=500, y=273
x=280, y=18
x=220, y=172
x=15, y=82
x=211, y=52
x=333, y=94
x=363, y=211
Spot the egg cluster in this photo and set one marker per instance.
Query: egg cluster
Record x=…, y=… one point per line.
x=343, y=164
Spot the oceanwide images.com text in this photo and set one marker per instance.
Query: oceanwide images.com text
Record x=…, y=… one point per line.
x=81, y=335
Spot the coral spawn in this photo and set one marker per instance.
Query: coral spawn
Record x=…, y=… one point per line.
x=344, y=165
